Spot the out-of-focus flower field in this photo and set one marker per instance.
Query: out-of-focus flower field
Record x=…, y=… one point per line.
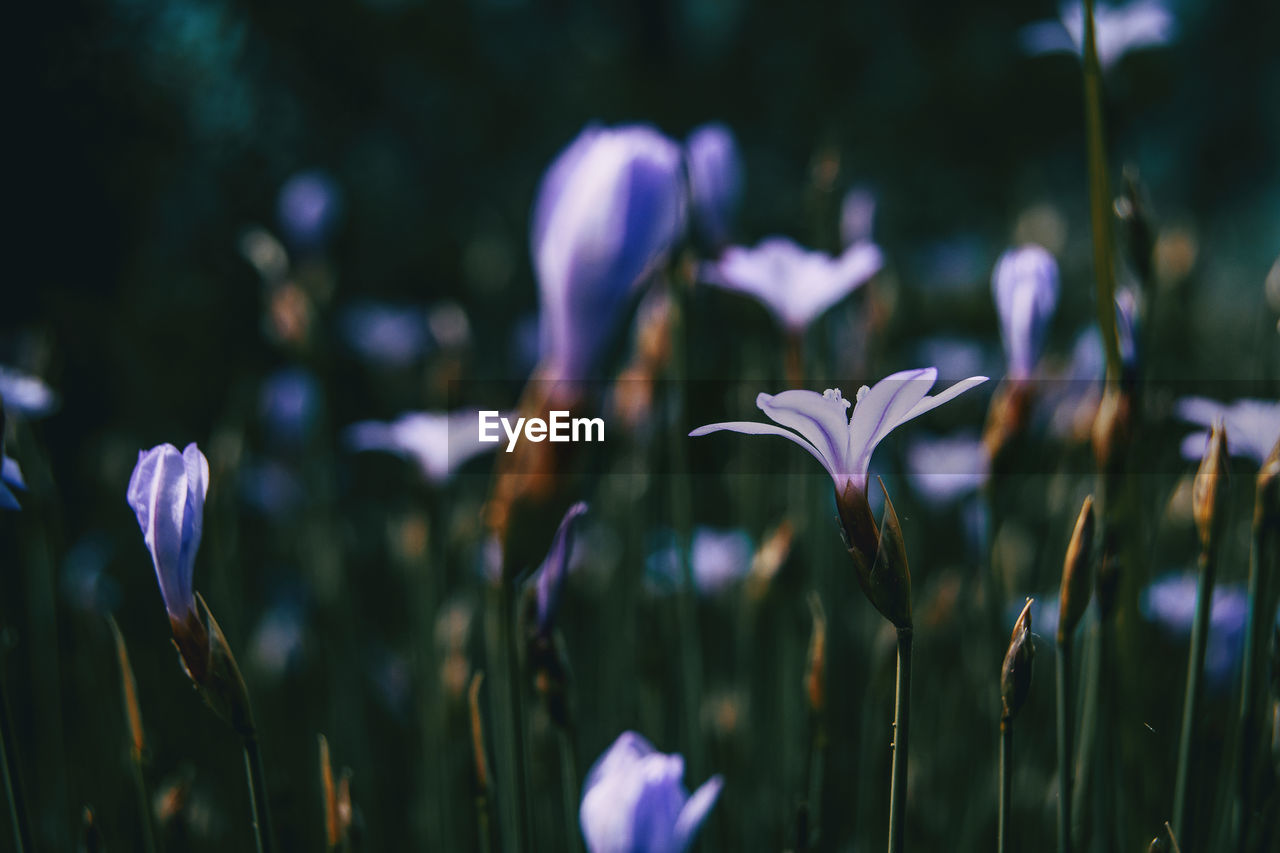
x=278, y=570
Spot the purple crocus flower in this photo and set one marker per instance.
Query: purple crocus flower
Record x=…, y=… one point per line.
x=715, y=182
x=947, y=468
x=309, y=208
x=1170, y=602
x=634, y=801
x=440, y=443
x=608, y=211
x=167, y=492
x=1025, y=287
x=1119, y=29
x=1253, y=426
x=549, y=579
x=821, y=424
x=793, y=283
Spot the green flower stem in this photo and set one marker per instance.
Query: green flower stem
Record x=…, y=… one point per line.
x=569, y=787
x=144, y=805
x=1006, y=784
x=1099, y=195
x=1065, y=733
x=12, y=781
x=258, y=800
x=901, y=730
x=515, y=744
x=1256, y=628
x=1191, y=702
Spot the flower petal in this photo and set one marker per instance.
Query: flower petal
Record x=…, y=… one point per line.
x=881, y=409
x=823, y=419
x=750, y=428
x=11, y=474
x=930, y=403
x=695, y=811
x=555, y=567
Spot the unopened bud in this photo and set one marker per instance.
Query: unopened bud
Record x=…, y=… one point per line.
x=222, y=687
x=1077, y=579
x=330, y=796
x=815, y=678
x=1015, y=674
x=1209, y=493
x=1112, y=426
x=1158, y=845
x=879, y=555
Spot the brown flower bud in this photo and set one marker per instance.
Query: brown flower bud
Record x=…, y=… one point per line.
x=815, y=677
x=1015, y=674
x=1077, y=577
x=1112, y=426
x=879, y=555
x=1208, y=494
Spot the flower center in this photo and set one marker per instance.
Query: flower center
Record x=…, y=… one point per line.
x=834, y=394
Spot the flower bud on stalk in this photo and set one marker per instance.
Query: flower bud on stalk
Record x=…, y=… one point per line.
x=879, y=554
x=1208, y=494
x=1015, y=674
x=1077, y=579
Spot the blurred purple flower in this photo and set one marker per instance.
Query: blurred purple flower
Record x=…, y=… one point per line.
x=1025, y=287
x=943, y=469
x=1253, y=426
x=440, y=443
x=857, y=216
x=1170, y=602
x=820, y=423
x=167, y=492
x=958, y=356
x=385, y=335
x=715, y=182
x=793, y=283
x=717, y=559
x=10, y=479
x=289, y=403
x=608, y=211
x=1120, y=29
x=549, y=579
x=26, y=395
x=634, y=801
x=309, y=207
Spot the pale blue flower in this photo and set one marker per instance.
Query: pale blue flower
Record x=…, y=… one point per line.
x=609, y=210
x=440, y=443
x=944, y=469
x=1119, y=29
x=309, y=208
x=1170, y=602
x=383, y=334
x=1025, y=287
x=25, y=394
x=290, y=401
x=717, y=558
x=715, y=182
x=634, y=801
x=793, y=283
x=822, y=425
x=550, y=577
x=1253, y=426
x=167, y=492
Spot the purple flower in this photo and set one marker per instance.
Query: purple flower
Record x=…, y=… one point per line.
x=793, y=283
x=10, y=479
x=609, y=209
x=717, y=559
x=440, y=443
x=1025, y=287
x=1253, y=426
x=634, y=801
x=309, y=208
x=820, y=423
x=715, y=181
x=289, y=402
x=1119, y=29
x=1170, y=602
x=550, y=576
x=167, y=493
x=25, y=394
x=944, y=469
x=385, y=335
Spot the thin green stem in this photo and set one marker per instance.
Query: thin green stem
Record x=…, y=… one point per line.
x=569, y=787
x=144, y=805
x=516, y=698
x=12, y=781
x=1065, y=736
x=1099, y=195
x=1256, y=627
x=901, y=730
x=258, y=800
x=1191, y=702
x=1006, y=785
x=817, y=762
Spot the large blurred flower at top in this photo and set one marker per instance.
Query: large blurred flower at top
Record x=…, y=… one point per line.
x=608, y=211
x=634, y=800
x=796, y=285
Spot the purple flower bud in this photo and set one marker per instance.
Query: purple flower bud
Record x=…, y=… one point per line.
x=1025, y=287
x=609, y=209
x=715, y=182
x=551, y=574
x=309, y=208
x=634, y=801
x=167, y=492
